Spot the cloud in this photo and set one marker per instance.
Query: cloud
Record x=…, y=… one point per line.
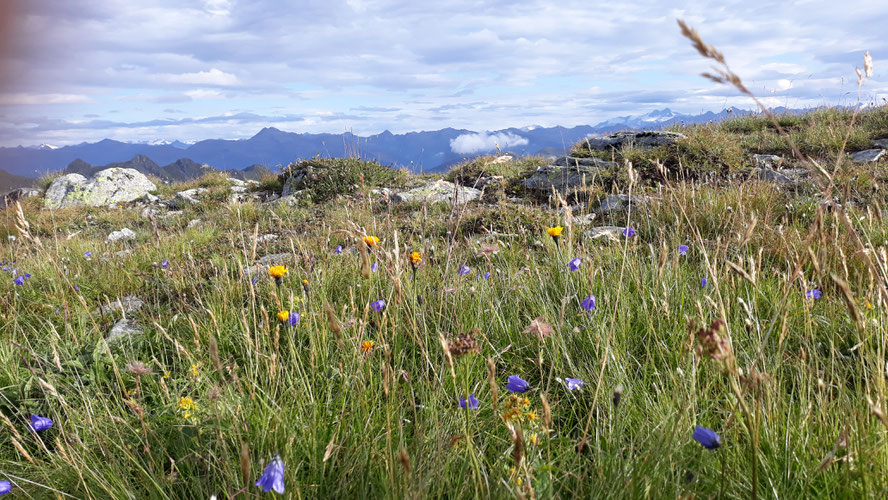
x=371, y=65
x=483, y=141
x=211, y=77
x=24, y=99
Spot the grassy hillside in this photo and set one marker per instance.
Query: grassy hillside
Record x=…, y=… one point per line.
x=9, y=181
x=750, y=308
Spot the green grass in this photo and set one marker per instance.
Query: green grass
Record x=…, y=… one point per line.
x=386, y=424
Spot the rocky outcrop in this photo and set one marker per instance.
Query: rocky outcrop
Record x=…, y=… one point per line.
x=868, y=155
x=767, y=161
x=124, y=234
x=17, y=194
x=438, y=192
x=112, y=185
x=187, y=198
x=786, y=177
x=620, y=203
x=641, y=140
x=565, y=178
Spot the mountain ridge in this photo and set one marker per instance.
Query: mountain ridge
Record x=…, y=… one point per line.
x=418, y=151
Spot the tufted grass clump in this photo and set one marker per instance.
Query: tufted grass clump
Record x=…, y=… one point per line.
x=326, y=178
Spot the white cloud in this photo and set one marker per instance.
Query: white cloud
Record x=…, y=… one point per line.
x=204, y=94
x=483, y=141
x=23, y=99
x=211, y=77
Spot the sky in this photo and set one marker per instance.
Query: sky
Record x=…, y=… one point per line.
x=74, y=71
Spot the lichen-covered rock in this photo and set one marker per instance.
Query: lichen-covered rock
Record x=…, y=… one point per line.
x=128, y=304
x=767, y=161
x=867, y=156
x=620, y=202
x=124, y=234
x=787, y=177
x=187, y=198
x=112, y=185
x=641, y=140
x=123, y=329
x=612, y=233
x=562, y=178
x=17, y=194
x=438, y=192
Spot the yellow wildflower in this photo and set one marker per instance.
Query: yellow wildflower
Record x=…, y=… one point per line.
x=371, y=241
x=284, y=316
x=187, y=404
x=555, y=232
x=533, y=438
x=415, y=259
x=367, y=346
x=195, y=370
x=277, y=272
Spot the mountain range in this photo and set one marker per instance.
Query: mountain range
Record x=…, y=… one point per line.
x=418, y=151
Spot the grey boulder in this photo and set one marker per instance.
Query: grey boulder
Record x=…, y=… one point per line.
x=123, y=329
x=438, y=192
x=641, y=140
x=112, y=185
x=867, y=156
x=124, y=234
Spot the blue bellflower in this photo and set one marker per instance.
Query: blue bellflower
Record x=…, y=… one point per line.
x=273, y=477
x=39, y=423
x=588, y=303
x=338, y=249
x=517, y=384
x=5, y=487
x=463, y=270
x=683, y=249
x=707, y=437
x=813, y=294
x=573, y=383
x=628, y=232
x=378, y=305
x=574, y=264
x=471, y=404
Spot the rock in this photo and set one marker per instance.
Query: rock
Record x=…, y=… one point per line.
x=266, y=238
x=123, y=329
x=561, y=178
x=767, y=161
x=128, y=304
x=238, y=189
x=274, y=259
x=236, y=182
x=786, y=177
x=194, y=223
x=583, y=220
x=501, y=159
x=881, y=143
x=124, y=234
x=150, y=198
x=287, y=201
x=439, y=191
x=149, y=212
x=867, y=156
x=187, y=198
x=641, y=140
x=112, y=185
x=614, y=233
x=123, y=253
x=17, y=195
x=620, y=202
x=571, y=161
